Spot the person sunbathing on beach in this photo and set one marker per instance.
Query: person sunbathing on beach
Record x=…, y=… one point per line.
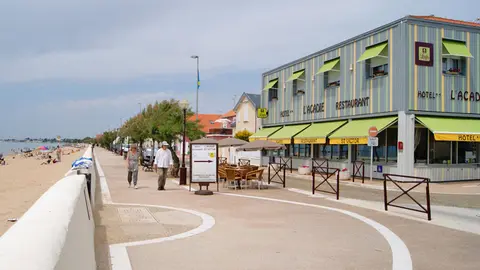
x=2, y=160
x=49, y=160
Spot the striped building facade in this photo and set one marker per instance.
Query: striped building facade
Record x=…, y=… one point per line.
x=411, y=68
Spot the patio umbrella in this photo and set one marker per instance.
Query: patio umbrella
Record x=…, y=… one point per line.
x=261, y=145
x=231, y=142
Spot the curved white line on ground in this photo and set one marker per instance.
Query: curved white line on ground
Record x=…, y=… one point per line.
x=118, y=252
x=207, y=223
x=401, y=255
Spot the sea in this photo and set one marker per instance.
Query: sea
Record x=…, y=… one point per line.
x=6, y=147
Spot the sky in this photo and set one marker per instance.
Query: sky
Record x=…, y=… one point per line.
x=78, y=68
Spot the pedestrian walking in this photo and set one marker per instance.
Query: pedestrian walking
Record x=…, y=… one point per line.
x=132, y=165
x=59, y=153
x=163, y=160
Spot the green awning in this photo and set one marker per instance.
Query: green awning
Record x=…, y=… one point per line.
x=452, y=129
x=455, y=48
x=296, y=75
x=270, y=84
x=356, y=131
x=263, y=134
x=373, y=51
x=329, y=66
x=284, y=136
x=317, y=133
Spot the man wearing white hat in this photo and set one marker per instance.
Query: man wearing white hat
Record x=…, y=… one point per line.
x=163, y=160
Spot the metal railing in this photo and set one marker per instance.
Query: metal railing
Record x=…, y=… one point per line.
x=418, y=181
x=326, y=173
x=358, y=167
x=278, y=176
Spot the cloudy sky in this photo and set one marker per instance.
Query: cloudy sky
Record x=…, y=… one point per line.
x=76, y=68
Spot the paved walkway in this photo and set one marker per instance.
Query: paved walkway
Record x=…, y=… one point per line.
x=259, y=229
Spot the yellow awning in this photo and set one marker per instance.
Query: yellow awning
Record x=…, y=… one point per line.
x=356, y=131
x=284, y=136
x=263, y=134
x=317, y=133
x=452, y=129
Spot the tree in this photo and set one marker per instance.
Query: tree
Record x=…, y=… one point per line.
x=243, y=135
x=162, y=122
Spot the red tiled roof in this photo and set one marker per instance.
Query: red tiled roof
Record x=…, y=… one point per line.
x=206, y=121
x=229, y=114
x=445, y=20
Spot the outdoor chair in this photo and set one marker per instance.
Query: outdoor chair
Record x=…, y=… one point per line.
x=232, y=179
x=222, y=175
x=256, y=175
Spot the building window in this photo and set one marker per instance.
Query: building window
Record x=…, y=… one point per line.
x=376, y=60
x=245, y=114
x=212, y=122
x=376, y=67
x=301, y=150
x=430, y=151
x=331, y=73
x=330, y=152
x=454, y=66
x=298, y=82
x=339, y=152
x=272, y=94
x=454, y=57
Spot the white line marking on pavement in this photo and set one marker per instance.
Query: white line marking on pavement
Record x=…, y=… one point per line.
x=119, y=258
x=106, y=198
x=118, y=252
x=401, y=259
x=207, y=223
x=304, y=192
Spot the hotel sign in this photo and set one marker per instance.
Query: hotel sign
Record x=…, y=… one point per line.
x=262, y=113
x=423, y=54
x=314, y=108
x=457, y=137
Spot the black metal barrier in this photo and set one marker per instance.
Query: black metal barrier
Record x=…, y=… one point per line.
x=420, y=180
x=278, y=168
x=358, y=170
x=88, y=176
x=325, y=172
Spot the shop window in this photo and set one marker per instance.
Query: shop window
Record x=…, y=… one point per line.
x=301, y=150
x=421, y=145
x=454, y=66
x=467, y=152
x=385, y=152
x=322, y=151
x=339, y=152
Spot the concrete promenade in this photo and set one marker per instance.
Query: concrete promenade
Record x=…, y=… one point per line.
x=261, y=229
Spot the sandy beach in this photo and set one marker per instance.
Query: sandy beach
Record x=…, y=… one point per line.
x=24, y=180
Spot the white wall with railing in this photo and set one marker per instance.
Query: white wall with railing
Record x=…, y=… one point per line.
x=57, y=232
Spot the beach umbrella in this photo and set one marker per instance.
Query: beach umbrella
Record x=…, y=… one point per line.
x=42, y=147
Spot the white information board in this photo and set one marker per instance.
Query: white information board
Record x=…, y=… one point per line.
x=372, y=141
x=204, y=163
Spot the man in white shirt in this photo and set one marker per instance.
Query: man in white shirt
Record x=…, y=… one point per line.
x=163, y=160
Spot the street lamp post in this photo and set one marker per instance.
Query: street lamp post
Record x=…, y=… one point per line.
x=198, y=80
x=183, y=169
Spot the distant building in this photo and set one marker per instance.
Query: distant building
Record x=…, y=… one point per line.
x=246, y=113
